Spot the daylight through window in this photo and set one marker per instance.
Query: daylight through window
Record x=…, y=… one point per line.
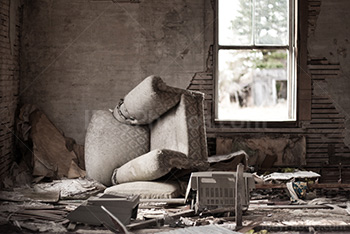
x=256, y=68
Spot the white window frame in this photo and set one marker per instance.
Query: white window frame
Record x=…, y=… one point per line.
x=292, y=60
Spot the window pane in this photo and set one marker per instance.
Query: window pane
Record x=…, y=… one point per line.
x=253, y=85
x=235, y=22
x=271, y=22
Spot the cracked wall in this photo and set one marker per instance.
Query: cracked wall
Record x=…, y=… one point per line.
x=330, y=40
x=80, y=56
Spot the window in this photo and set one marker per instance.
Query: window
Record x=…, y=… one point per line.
x=256, y=60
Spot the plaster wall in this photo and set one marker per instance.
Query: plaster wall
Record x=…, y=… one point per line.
x=84, y=55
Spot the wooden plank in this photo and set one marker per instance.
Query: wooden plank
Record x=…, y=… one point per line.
x=324, y=67
x=319, y=97
x=203, y=76
x=324, y=150
x=320, y=126
x=326, y=135
x=155, y=222
x=322, y=106
x=327, y=116
x=318, y=121
x=317, y=162
x=254, y=130
x=313, y=140
x=320, y=145
x=324, y=76
x=315, y=186
x=325, y=72
x=201, y=86
x=239, y=192
x=267, y=207
x=326, y=111
x=208, y=82
x=322, y=101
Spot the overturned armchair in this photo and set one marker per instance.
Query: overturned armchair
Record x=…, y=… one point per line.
x=153, y=130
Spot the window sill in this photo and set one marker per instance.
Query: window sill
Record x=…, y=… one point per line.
x=255, y=124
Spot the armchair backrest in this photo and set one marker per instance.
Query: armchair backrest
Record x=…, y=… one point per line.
x=182, y=129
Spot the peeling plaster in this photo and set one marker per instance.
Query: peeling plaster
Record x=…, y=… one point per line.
x=331, y=41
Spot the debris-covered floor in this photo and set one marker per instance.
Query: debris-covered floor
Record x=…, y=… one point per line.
x=44, y=208
x=143, y=189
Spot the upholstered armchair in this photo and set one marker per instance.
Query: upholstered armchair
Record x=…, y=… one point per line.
x=153, y=130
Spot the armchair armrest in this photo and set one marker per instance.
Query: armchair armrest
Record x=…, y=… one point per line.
x=150, y=166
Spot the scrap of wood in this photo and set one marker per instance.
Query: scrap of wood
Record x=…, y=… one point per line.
x=29, y=195
x=144, y=224
x=71, y=226
x=239, y=192
x=185, y=213
x=267, y=207
x=51, y=215
x=51, y=158
x=255, y=222
x=42, y=196
x=156, y=222
x=228, y=162
x=314, y=186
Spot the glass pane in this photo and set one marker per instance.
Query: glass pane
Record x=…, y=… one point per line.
x=253, y=85
x=271, y=22
x=235, y=22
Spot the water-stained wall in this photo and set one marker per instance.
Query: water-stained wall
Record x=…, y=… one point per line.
x=84, y=55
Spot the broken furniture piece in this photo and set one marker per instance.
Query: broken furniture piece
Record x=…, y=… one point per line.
x=90, y=212
x=217, y=189
x=154, y=129
x=228, y=161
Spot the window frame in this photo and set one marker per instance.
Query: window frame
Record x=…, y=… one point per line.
x=293, y=70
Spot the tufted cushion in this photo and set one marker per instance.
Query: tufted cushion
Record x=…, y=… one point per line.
x=110, y=144
x=147, y=101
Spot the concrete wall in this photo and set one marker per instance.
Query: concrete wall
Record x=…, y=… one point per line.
x=84, y=55
x=10, y=23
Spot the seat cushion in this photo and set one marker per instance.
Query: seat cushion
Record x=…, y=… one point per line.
x=110, y=144
x=147, y=189
x=147, y=101
x=150, y=166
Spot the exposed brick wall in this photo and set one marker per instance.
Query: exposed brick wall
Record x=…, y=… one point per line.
x=9, y=80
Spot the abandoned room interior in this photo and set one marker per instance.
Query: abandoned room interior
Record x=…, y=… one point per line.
x=174, y=116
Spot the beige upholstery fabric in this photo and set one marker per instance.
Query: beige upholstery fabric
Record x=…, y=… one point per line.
x=177, y=141
x=150, y=166
x=177, y=135
x=147, y=101
x=110, y=144
x=147, y=189
x=182, y=129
